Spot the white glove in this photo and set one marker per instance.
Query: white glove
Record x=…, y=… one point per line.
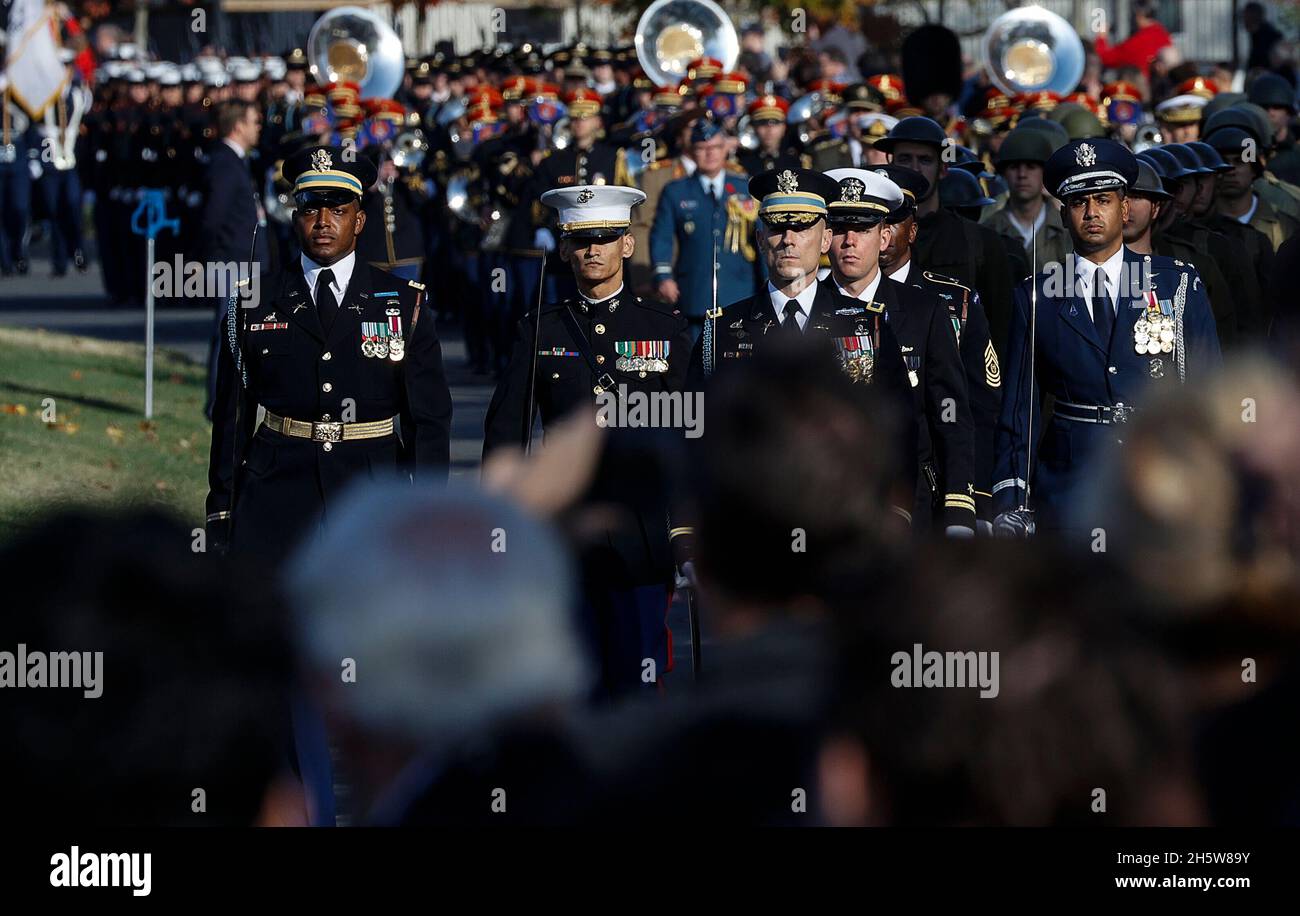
x=34, y=166
x=544, y=240
x=686, y=576
x=1018, y=523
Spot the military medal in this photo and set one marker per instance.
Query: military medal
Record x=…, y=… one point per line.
x=374, y=339
x=396, y=344
x=642, y=356
x=1153, y=332
x=858, y=356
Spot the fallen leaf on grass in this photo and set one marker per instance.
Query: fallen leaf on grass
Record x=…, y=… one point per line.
x=19, y=409
x=161, y=486
x=147, y=426
x=115, y=433
x=69, y=428
x=76, y=375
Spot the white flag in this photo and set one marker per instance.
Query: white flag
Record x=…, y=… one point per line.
x=36, y=76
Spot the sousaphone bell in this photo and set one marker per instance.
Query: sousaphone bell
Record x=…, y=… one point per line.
x=355, y=45
x=672, y=33
x=1031, y=49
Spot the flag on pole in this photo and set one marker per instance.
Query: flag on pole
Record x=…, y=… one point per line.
x=36, y=75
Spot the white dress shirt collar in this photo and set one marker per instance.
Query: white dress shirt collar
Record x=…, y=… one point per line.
x=900, y=275
x=868, y=293
x=595, y=301
x=805, y=299
x=239, y=150
x=342, y=274
x=1085, y=270
x=713, y=186
x=1246, y=217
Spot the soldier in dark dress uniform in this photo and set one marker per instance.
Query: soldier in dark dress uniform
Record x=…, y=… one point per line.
x=966, y=312
x=946, y=243
x=396, y=206
x=945, y=430
x=1119, y=327
x=615, y=346
x=345, y=364
x=793, y=236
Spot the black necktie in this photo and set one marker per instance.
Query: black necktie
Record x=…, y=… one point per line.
x=1102, y=310
x=326, y=305
x=790, y=319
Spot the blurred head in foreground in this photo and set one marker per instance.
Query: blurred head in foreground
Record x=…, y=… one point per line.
x=192, y=682
x=425, y=618
x=1201, y=512
x=790, y=486
x=1006, y=691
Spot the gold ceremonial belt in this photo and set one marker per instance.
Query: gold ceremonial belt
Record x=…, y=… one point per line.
x=328, y=432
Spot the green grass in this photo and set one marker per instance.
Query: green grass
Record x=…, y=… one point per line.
x=97, y=450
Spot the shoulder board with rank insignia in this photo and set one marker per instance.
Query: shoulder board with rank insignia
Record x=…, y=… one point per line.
x=940, y=278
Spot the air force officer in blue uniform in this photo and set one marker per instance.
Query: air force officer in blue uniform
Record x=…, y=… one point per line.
x=1111, y=324
x=711, y=207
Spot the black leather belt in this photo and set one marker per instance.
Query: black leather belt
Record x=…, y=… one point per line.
x=1091, y=413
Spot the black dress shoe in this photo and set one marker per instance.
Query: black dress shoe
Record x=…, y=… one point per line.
x=22, y=267
x=79, y=259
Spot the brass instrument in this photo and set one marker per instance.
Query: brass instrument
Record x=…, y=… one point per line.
x=672, y=33
x=1030, y=49
x=1147, y=137
x=803, y=111
x=351, y=43
x=747, y=136
x=409, y=149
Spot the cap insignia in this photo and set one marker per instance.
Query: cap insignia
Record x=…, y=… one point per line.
x=321, y=160
x=787, y=182
x=1085, y=155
